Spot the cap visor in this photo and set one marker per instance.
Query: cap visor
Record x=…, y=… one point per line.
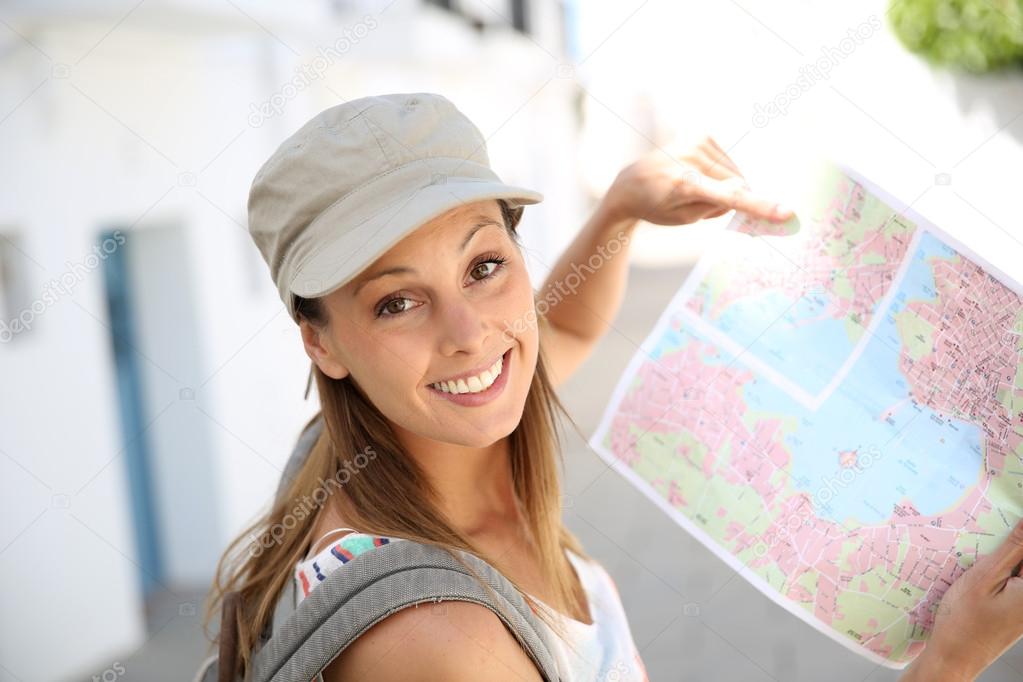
x=341, y=259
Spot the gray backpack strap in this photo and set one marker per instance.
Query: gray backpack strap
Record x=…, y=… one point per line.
x=286, y=604
x=374, y=585
x=302, y=639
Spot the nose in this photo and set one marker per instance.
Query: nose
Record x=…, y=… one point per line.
x=462, y=327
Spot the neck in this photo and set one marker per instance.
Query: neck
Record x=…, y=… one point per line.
x=474, y=484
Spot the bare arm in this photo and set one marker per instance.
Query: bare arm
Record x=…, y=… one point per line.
x=449, y=640
x=584, y=290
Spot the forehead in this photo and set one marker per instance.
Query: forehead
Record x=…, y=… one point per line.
x=450, y=227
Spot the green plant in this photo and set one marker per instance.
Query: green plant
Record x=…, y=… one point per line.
x=972, y=35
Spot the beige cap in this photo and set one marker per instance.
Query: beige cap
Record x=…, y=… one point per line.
x=358, y=177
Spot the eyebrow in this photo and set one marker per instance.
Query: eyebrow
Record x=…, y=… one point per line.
x=481, y=222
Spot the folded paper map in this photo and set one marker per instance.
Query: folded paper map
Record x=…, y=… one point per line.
x=836, y=413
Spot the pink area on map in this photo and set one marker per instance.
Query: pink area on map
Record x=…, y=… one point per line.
x=675, y=498
x=762, y=227
x=810, y=263
x=974, y=359
x=691, y=403
x=908, y=551
x=671, y=401
x=847, y=459
x=799, y=593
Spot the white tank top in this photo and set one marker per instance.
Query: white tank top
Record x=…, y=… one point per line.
x=604, y=648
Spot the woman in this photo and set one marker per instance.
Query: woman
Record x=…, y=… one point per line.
x=393, y=246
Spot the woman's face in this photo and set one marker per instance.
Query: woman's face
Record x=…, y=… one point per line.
x=450, y=309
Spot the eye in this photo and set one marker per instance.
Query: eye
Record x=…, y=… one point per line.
x=494, y=260
x=385, y=309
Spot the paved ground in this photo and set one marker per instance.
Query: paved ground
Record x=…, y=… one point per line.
x=692, y=617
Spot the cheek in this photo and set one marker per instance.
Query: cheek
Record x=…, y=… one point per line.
x=515, y=319
x=383, y=365
x=521, y=321
x=396, y=363
x=517, y=299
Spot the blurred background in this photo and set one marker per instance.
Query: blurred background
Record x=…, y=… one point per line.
x=152, y=381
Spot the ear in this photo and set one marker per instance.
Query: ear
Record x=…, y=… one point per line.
x=320, y=350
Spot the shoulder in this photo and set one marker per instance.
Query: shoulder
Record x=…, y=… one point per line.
x=450, y=640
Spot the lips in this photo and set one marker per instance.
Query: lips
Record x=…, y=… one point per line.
x=473, y=383
x=480, y=398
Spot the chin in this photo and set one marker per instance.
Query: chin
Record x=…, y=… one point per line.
x=489, y=431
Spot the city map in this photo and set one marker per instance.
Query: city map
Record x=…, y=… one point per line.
x=837, y=414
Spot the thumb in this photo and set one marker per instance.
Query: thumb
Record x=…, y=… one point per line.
x=1014, y=587
x=734, y=193
x=1007, y=557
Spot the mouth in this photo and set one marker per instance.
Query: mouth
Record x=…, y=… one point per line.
x=476, y=383
x=477, y=388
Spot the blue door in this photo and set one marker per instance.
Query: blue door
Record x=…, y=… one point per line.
x=132, y=410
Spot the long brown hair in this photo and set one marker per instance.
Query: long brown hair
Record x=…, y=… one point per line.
x=386, y=493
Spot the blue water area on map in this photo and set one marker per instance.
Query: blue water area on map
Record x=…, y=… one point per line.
x=919, y=281
x=790, y=336
x=904, y=451
x=670, y=340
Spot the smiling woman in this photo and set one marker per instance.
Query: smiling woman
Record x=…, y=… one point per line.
x=394, y=248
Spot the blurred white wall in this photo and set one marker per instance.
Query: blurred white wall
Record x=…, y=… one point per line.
x=140, y=118
x=654, y=72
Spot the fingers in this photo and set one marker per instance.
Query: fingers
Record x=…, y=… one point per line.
x=1006, y=559
x=734, y=194
x=706, y=155
x=720, y=157
x=712, y=177
x=705, y=209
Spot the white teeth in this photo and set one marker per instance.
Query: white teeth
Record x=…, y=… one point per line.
x=475, y=384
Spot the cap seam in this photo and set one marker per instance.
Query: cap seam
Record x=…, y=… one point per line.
x=306, y=137
x=367, y=121
x=314, y=131
x=362, y=111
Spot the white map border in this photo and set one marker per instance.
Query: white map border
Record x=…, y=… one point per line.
x=672, y=310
